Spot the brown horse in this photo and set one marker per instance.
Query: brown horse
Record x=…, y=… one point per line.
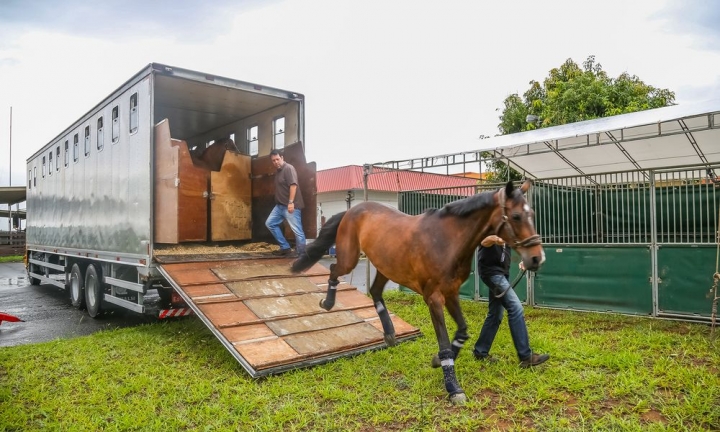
x=211, y=158
x=430, y=254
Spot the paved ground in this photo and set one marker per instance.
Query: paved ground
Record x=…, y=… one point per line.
x=47, y=311
x=48, y=314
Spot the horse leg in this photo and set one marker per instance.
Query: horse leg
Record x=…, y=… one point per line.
x=453, y=307
x=435, y=303
x=376, y=291
x=329, y=301
x=342, y=267
x=452, y=304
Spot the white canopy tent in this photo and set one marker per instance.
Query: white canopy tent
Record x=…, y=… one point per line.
x=679, y=135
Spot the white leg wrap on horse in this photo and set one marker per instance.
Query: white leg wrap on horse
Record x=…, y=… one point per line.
x=447, y=362
x=379, y=307
x=458, y=344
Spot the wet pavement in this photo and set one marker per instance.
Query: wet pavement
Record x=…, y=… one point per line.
x=47, y=311
x=48, y=314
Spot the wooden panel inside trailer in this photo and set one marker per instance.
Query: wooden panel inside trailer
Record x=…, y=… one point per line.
x=180, y=191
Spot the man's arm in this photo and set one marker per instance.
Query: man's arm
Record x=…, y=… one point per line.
x=291, y=203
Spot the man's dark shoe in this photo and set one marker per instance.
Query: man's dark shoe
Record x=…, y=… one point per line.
x=485, y=358
x=534, y=360
x=282, y=252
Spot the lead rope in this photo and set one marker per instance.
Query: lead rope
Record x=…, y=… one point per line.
x=716, y=278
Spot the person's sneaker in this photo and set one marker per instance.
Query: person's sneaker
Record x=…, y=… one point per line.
x=485, y=358
x=282, y=252
x=534, y=360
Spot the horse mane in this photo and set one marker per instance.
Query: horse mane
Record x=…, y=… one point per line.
x=467, y=206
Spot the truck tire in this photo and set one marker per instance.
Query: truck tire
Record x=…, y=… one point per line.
x=32, y=268
x=32, y=280
x=94, y=290
x=77, y=287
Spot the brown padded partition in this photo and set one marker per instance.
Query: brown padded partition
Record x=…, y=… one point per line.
x=181, y=213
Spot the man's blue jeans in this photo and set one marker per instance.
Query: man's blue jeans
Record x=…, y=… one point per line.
x=274, y=223
x=516, y=319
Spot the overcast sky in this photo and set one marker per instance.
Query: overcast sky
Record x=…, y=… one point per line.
x=383, y=80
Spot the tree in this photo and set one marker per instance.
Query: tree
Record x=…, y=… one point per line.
x=571, y=94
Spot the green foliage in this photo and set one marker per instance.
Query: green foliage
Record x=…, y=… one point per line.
x=606, y=372
x=571, y=93
x=11, y=258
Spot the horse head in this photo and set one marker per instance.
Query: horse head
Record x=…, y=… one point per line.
x=513, y=222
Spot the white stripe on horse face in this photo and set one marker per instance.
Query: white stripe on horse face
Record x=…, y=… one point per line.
x=526, y=207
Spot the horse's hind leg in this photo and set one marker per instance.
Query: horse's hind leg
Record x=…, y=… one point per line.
x=329, y=301
x=376, y=291
x=346, y=262
x=435, y=302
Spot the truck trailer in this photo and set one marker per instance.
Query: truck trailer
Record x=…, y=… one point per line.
x=155, y=202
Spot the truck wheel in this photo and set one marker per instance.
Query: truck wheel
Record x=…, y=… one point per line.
x=77, y=287
x=93, y=291
x=32, y=268
x=32, y=280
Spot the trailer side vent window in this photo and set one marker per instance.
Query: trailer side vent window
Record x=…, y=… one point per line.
x=115, y=125
x=50, y=170
x=279, y=133
x=76, y=148
x=67, y=152
x=43, y=167
x=29, y=179
x=57, y=158
x=100, y=136
x=133, y=113
x=252, y=141
x=34, y=176
x=87, y=140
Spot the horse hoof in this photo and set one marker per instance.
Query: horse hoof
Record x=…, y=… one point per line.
x=390, y=340
x=435, y=362
x=458, y=398
x=322, y=305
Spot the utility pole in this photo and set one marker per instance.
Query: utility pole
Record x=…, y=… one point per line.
x=10, y=216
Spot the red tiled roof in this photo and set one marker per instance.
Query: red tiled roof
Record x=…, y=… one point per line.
x=351, y=177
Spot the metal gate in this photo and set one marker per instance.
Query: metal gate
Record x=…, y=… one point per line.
x=639, y=242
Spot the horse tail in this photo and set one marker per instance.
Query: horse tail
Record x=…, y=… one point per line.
x=317, y=249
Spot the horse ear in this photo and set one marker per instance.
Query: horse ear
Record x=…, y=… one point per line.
x=509, y=188
x=526, y=186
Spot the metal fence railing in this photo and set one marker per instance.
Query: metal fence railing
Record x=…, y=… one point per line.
x=12, y=243
x=623, y=208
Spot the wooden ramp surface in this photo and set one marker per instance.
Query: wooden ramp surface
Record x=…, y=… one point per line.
x=270, y=319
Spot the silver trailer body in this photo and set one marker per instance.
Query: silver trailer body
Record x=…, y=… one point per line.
x=91, y=190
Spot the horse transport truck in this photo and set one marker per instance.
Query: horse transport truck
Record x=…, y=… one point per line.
x=155, y=201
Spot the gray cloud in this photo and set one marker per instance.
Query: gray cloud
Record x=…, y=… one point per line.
x=699, y=18
x=185, y=20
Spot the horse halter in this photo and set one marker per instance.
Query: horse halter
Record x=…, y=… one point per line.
x=533, y=240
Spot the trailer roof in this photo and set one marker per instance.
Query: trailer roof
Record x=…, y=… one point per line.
x=678, y=135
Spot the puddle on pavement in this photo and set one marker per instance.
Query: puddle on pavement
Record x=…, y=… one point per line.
x=18, y=281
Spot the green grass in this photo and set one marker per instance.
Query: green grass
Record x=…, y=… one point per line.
x=606, y=372
x=11, y=258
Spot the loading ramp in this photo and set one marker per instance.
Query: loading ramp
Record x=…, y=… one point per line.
x=269, y=319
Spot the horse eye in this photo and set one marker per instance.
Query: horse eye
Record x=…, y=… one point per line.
x=516, y=217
